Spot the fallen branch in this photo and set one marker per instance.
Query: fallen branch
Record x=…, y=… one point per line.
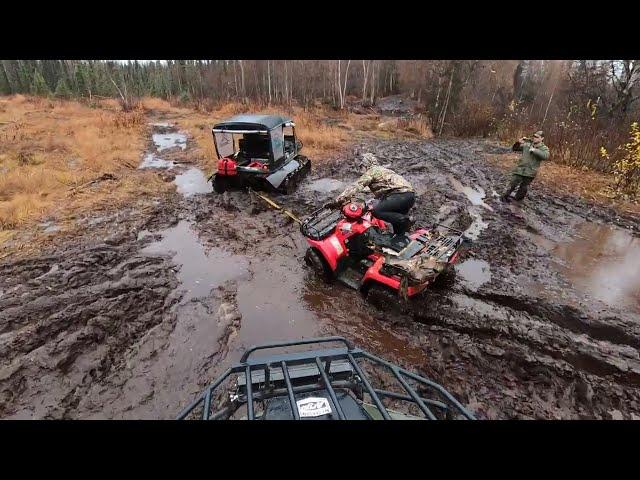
x=102, y=178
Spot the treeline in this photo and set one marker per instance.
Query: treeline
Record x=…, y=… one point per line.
x=269, y=81
x=586, y=107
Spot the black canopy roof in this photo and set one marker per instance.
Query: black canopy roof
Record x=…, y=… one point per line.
x=252, y=122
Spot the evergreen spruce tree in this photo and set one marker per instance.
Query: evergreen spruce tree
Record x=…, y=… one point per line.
x=62, y=89
x=5, y=86
x=39, y=86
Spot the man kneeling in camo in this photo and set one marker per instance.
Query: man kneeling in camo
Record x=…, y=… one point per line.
x=396, y=195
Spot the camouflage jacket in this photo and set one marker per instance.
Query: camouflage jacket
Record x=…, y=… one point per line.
x=531, y=158
x=381, y=181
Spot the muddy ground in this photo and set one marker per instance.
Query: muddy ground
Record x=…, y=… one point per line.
x=132, y=318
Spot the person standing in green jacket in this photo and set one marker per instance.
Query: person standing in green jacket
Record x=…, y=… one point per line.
x=533, y=152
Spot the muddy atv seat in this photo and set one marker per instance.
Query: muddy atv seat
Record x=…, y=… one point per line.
x=387, y=240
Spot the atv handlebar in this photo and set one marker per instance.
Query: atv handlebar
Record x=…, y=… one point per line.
x=254, y=348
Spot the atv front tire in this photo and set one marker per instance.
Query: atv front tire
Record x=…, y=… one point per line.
x=319, y=265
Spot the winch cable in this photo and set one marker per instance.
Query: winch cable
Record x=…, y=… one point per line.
x=277, y=207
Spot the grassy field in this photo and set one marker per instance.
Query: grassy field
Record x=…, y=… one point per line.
x=51, y=151
x=60, y=158
x=322, y=131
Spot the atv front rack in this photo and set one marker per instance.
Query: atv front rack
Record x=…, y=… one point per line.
x=335, y=370
x=320, y=223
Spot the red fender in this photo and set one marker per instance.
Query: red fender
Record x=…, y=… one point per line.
x=373, y=275
x=331, y=249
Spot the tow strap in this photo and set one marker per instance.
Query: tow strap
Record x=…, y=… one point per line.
x=277, y=207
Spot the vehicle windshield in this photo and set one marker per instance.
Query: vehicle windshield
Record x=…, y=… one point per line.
x=249, y=146
x=224, y=144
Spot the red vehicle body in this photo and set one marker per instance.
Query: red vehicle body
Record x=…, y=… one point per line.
x=331, y=237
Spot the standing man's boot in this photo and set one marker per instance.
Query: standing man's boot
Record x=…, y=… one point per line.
x=507, y=195
x=515, y=181
x=524, y=187
x=520, y=196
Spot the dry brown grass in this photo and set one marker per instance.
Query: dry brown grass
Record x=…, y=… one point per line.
x=320, y=138
x=591, y=185
x=151, y=103
x=323, y=131
x=50, y=148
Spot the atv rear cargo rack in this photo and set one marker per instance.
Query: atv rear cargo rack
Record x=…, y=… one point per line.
x=286, y=378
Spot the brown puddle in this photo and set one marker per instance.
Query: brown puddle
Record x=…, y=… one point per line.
x=199, y=271
x=271, y=308
x=474, y=273
x=349, y=314
x=603, y=262
x=192, y=182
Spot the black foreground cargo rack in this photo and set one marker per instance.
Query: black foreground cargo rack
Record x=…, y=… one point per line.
x=288, y=375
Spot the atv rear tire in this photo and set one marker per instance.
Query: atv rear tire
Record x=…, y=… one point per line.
x=319, y=265
x=446, y=279
x=220, y=184
x=386, y=299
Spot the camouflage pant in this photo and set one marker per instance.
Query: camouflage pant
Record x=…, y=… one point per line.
x=522, y=183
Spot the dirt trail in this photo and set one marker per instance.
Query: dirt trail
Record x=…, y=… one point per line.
x=133, y=318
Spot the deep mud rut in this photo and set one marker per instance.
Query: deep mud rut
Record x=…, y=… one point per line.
x=133, y=318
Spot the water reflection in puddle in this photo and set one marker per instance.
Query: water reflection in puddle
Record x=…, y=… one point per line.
x=192, y=182
x=478, y=224
x=200, y=271
x=475, y=196
x=164, y=141
x=604, y=262
x=325, y=185
x=150, y=160
x=49, y=227
x=474, y=273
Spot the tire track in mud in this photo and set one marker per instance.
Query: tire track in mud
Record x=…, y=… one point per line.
x=109, y=329
x=68, y=327
x=537, y=332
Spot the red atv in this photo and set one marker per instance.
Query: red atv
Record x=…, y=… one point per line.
x=359, y=250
